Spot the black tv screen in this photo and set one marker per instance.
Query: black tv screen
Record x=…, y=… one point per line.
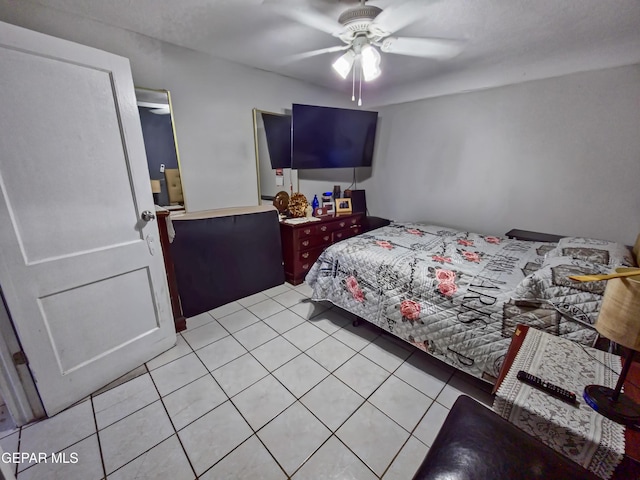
x=277, y=129
x=325, y=137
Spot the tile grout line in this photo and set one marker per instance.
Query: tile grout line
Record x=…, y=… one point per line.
x=126, y=416
x=366, y=400
x=175, y=432
x=95, y=422
x=147, y=450
x=270, y=373
x=15, y=470
x=56, y=452
x=230, y=400
x=297, y=399
x=145, y=406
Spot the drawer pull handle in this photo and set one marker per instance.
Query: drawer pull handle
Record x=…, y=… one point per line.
x=305, y=243
x=342, y=224
x=307, y=231
x=305, y=266
x=305, y=255
x=323, y=228
x=326, y=238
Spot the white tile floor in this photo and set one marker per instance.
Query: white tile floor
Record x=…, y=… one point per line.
x=273, y=386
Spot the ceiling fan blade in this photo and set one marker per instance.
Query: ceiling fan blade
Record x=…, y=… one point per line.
x=313, y=53
x=422, y=47
x=161, y=111
x=309, y=17
x=397, y=16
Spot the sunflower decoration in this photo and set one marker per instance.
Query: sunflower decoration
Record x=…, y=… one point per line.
x=298, y=205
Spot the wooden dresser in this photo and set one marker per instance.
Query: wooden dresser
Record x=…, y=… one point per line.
x=178, y=317
x=302, y=244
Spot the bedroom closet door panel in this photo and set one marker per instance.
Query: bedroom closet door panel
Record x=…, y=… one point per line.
x=81, y=271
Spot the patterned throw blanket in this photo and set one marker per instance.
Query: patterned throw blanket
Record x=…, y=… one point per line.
x=446, y=291
x=577, y=432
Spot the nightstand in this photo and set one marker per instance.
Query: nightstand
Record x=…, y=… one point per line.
x=552, y=421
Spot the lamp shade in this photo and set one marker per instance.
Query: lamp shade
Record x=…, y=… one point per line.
x=370, y=63
x=344, y=63
x=619, y=318
x=155, y=186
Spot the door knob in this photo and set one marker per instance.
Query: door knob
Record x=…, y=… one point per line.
x=147, y=216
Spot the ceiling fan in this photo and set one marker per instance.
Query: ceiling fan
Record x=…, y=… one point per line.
x=366, y=28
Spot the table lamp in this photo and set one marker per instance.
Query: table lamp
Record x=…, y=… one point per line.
x=619, y=320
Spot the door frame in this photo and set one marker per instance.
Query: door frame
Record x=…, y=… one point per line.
x=16, y=383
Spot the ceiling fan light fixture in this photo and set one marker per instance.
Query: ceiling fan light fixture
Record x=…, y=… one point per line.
x=344, y=63
x=370, y=63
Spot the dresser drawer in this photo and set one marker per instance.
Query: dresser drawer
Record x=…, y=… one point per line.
x=305, y=260
x=340, y=235
x=344, y=223
x=313, y=230
x=346, y=233
x=314, y=241
x=333, y=226
x=304, y=232
x=302, y=244
x=308, y=255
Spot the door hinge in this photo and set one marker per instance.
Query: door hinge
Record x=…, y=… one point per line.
x=19, y=358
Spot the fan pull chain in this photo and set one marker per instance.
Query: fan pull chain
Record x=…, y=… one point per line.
x=353, y=88
x=360, y=85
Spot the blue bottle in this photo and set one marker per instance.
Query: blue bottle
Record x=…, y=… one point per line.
x=315, y=203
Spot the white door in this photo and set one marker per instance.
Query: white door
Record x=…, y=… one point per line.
x=81, y=273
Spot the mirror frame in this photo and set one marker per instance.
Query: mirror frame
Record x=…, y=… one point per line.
x=175, y=137
x=255, y=112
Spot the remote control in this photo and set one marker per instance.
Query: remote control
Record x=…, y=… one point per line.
x=550, y=388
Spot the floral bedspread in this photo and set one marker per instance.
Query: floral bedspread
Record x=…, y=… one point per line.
x=446, y=291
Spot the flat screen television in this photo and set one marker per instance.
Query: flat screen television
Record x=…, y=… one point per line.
x=326, y=137
x=277, y=130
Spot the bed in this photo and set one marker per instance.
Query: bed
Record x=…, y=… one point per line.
x=459, y=295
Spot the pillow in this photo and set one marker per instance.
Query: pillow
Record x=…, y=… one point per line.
x=578, y=300
x=593, y=251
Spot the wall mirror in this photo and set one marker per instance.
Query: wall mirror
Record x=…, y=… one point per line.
x=273, y=180
x=163, y=159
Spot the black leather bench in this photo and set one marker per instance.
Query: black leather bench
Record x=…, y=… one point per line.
x=475, y=443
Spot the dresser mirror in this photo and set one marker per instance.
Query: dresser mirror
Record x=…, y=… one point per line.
x=273, y=180
x=163, y=159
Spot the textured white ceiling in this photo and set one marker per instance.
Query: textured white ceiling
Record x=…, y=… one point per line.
x=497, y=34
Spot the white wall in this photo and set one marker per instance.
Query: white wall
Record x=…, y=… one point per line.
x=560, y=155
x=212, y=100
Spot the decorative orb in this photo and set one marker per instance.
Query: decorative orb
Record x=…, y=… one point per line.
x=281, y=201
x=298, y=205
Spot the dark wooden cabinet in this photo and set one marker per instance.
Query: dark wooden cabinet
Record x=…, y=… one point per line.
x=178, y=317
x=303, y=243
